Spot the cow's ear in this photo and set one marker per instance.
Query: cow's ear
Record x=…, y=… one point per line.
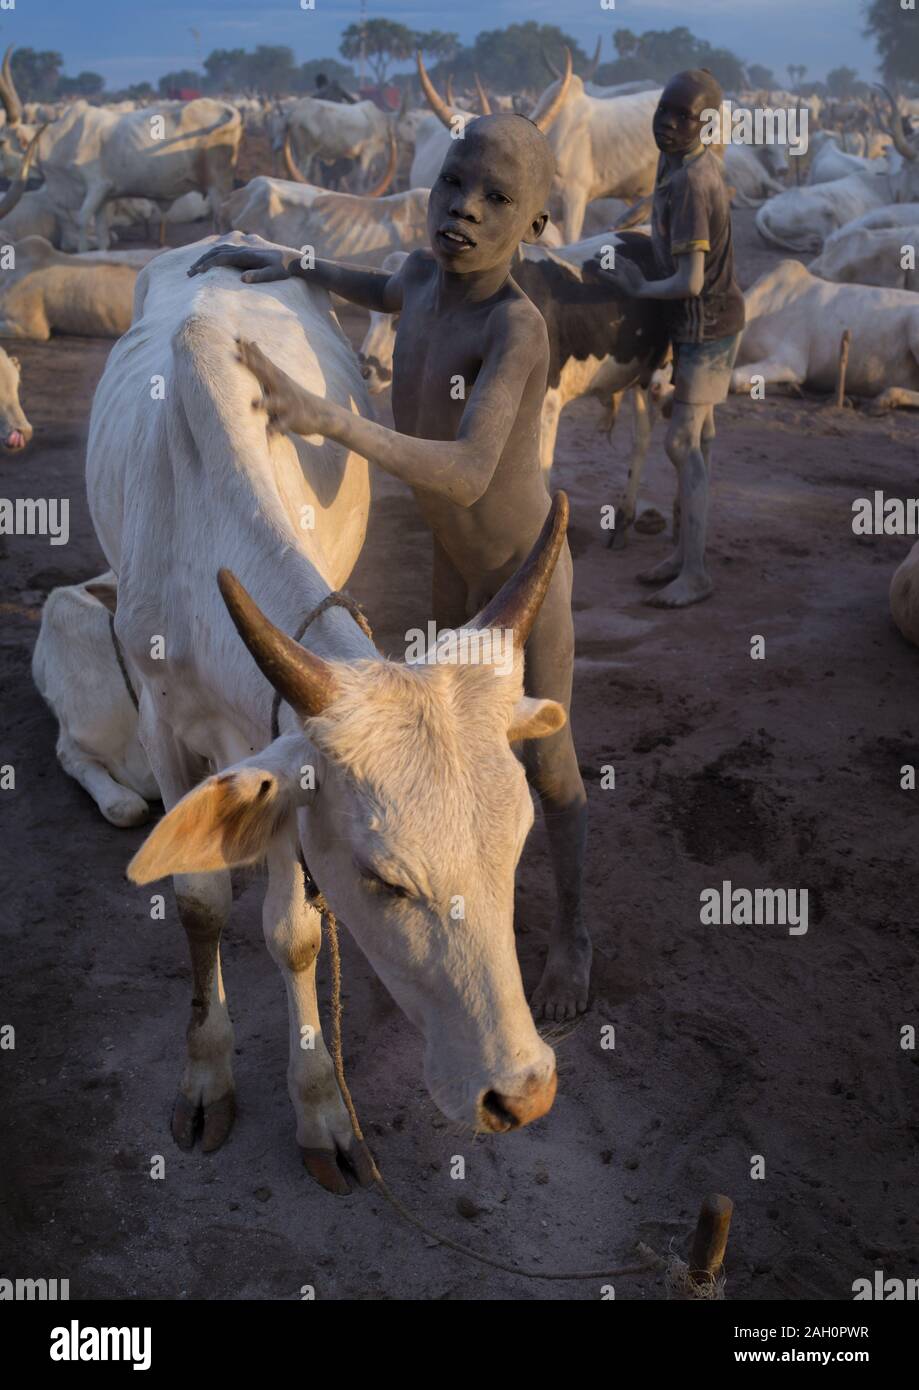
x=536, y=228
x=231, y=818
x=535, y=719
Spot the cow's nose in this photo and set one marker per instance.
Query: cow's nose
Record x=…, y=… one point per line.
x=502, y=1111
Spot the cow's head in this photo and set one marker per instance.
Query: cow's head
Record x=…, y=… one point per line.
x=412, y=811
x=15, y=430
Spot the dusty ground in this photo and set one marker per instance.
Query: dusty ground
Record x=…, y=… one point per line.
x=730, y=1041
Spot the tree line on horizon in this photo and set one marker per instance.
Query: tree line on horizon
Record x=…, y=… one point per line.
x=509, y=59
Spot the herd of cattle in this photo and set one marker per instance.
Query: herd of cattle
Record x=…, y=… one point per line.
x=179, y=493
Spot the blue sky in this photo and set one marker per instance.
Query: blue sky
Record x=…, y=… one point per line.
x=130, y=40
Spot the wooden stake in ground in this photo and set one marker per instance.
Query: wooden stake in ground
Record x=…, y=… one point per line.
x=843, y=367
x=710, y=1240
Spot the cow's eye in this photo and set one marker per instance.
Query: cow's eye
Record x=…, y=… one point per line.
x=382, y=885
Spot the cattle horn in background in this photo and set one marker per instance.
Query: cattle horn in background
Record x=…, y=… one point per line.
x=8, y=94
x=380, y=188
x=289, y=161
x=434, y=99
x=448, y=90
x=594, y=63
x=15, y=191
x=518, y=601
x=303, y=679
x=896, y=130
x=553, y=70
x=545, y=120
x=484, y=103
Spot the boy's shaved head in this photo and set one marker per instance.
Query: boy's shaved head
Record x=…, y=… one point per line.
x=492, y=192
x=699, y=83
x=514, y=137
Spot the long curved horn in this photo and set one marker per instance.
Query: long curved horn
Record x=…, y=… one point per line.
x=548, y=116
x=448, y=90
x=895, y=130
x=594, y=62
x=484, y=103
x=289, y=162
x=8, y=94
x=556, y=73
x=303, y=679
x=15, y=191
x=379, y=189
x=434, y=100
x=518, y=601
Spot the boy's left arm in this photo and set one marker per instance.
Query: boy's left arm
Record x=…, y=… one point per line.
x=459, y=469
x=689, y=241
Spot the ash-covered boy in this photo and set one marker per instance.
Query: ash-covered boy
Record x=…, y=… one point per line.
x=469, y=378
x=694, y=254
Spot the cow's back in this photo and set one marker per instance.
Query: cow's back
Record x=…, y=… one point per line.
x=183, y=477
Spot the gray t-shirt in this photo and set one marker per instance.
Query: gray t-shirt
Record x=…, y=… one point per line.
x=691, y=212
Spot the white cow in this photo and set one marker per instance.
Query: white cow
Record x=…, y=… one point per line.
x=603, y=147
x=862, y=256
x=339, y=226
x=829, y=162
x=375, y=775
x=331, y=130
x=75, y=666
x=50, y=292
x=904, y=596
x=92, y=156
x=802, y=218
x=794, y=325
x=746, y=172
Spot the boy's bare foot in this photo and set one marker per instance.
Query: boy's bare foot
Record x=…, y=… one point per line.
x=562, y=992
x=667, y=569
x=685, y=590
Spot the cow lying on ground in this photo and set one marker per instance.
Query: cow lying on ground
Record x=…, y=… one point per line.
x=75, y=666
x=860, y=256
x=794, y=325
x=373, y=772
x=801, y=219
x=904, y=596
x=51, y=292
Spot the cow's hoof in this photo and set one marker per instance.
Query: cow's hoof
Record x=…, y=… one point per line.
x=184, y=1124
x=340, y=1171
x=214, y=1121
x=127, y=811
x=218, y=1121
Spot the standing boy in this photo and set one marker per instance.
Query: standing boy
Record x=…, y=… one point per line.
x=469, y=378
x=694, y=253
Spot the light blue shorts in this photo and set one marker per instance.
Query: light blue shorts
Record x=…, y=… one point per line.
x=702, y=371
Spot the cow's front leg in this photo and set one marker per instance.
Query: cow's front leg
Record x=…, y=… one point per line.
x=206, y=1091
x=91, y=206
x=331, y=1153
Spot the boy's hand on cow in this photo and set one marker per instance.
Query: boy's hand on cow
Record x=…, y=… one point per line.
x=624, y=276
x=290, y=407
x=259, y=264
